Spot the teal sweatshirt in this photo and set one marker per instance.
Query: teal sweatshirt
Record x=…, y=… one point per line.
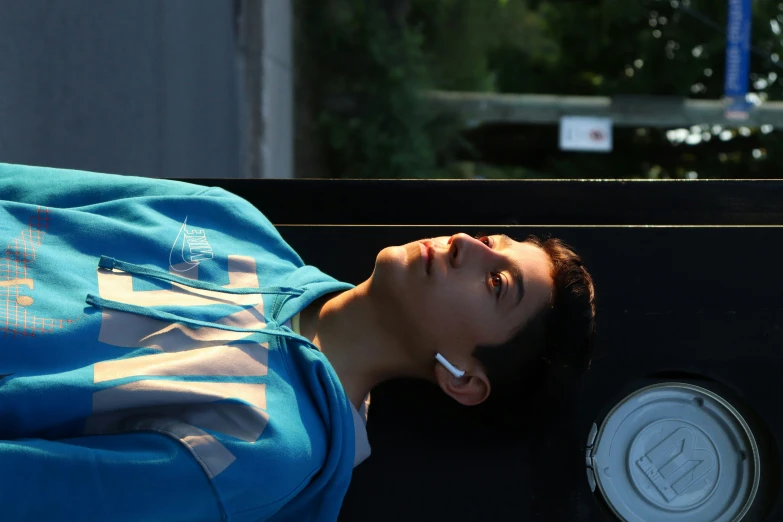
x=148, y=366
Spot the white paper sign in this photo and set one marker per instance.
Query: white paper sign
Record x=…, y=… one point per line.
x=586, y=133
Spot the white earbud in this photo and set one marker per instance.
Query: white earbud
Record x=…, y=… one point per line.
x=450, y=367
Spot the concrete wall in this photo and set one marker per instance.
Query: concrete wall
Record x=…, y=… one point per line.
x=277, y=90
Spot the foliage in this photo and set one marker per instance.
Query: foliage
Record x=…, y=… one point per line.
x=461, y=36
x=371, y=69
x=368, y=74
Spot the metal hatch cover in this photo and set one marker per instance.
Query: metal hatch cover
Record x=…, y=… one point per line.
x=675, y=452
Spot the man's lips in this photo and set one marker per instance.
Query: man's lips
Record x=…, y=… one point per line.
x=428, y=254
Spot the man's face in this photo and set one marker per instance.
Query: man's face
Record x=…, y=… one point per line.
x=451, y=294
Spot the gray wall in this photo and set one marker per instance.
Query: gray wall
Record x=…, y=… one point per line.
x=142, y=87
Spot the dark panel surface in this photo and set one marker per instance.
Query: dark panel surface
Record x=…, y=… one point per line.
x=416, y=202
x=682, y=300
x=696, y=300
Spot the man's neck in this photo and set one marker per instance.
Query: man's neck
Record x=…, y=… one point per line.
x=349, y=330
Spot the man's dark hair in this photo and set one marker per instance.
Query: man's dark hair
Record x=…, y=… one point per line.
x=554, y=347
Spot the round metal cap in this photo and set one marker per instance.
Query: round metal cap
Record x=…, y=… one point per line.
x=676, y=452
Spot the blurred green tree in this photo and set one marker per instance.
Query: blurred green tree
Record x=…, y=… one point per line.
x=371, y=58
x=615, y=47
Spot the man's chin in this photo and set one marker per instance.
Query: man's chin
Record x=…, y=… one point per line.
x=399, y=255
x=393, y=263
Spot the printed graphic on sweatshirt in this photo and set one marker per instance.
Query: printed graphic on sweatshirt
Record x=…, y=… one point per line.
x=17, y=282
x=189, y=249
x=200, y=394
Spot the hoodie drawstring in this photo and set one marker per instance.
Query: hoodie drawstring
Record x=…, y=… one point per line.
x=110, y=263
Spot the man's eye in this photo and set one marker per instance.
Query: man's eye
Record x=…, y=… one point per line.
x=496, y=282
x=486, y=240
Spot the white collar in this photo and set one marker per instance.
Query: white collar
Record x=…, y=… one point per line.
x=363, y=449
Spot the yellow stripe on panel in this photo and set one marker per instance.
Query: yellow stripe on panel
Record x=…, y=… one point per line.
x=242, y=272
x=137, y=331
x=241, y=360
x=208, y=451
x=144, y=393
x=240, y=421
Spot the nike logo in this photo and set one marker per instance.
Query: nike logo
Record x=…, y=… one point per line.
x=190, y=247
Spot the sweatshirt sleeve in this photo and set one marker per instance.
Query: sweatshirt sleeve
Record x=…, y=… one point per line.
x=63, y=188
x=125, y=477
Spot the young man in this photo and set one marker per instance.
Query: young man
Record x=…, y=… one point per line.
x=165, y=355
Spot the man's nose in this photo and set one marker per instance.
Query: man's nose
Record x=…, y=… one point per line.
x=460, y=246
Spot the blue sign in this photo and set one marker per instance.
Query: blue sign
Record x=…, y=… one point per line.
x=735, y=87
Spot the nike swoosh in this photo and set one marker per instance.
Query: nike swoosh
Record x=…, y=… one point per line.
x=182, y=251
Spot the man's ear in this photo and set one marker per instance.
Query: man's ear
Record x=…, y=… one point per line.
x=470, y=389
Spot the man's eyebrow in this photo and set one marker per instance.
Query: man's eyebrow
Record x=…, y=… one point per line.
x=516, y=272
